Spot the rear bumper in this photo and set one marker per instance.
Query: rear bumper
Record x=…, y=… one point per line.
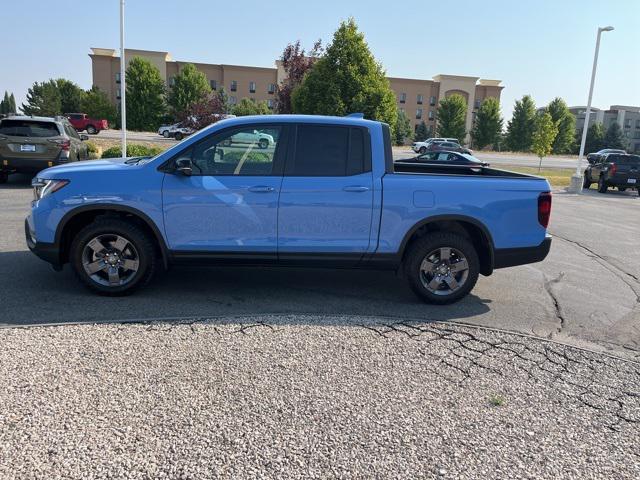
x=49, y=252
x=20, y=165
x=623, y=181
x=510, y=257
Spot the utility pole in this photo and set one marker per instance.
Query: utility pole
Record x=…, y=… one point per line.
x=123, y=88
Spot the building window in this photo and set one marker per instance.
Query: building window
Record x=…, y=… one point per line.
x=272, y=88
x=477, y=104
x=415, y=128
x=234, y=85
x=627, y=123
x=252, y=87
x=432, y=100
x=420, y=99
x=172, y=81
x=402, y=110
x=118, y=94
x=213, y=84
x=233, y=100
x=637, y=123
x=270, y=103
x=418, y=114
x=431, y=115
x=403, y=97
x=118, y=77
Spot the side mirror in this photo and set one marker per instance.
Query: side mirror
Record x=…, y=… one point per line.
x=183, y=165
x=84, y=137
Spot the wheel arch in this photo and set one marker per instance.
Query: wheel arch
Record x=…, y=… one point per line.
x=79, y=217
x=469, y=227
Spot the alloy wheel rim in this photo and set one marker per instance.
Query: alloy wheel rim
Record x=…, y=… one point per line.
x=444, y=271
x=110, y=260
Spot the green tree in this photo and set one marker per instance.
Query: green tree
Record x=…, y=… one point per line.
x=70, y=96
x=250, y=107
x=12, y=104
x=5, y=104
x=566, y=123
x=96, y=104
x=614, y=138
x=190, y=86
x=403, y=129
x=488, y=124
x=347, y=79
x=595, y=138
x=520, y=127
x=544, y=134
x=145, y=95
x=422, y=132
x=452, y=115
x=223, y=100
x=43, y=99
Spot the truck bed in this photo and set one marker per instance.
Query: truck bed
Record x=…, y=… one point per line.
x=440, y=169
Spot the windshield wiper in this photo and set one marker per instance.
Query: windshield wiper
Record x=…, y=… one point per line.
x=135, y=160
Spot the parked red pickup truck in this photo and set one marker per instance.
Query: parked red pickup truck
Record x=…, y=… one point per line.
x=81, y=121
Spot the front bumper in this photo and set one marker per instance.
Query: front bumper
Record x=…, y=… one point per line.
x=49, y=252
x=510, y=257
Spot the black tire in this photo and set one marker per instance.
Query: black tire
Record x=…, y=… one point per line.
x=586, y=182
x=263, y=143
x=91, y=130
x=166, y=134
x=602, y=185
x=137, y=238
x=422, y=150
x=622, y=189
x=419, y=251
x=4, y=177
x=178, y=136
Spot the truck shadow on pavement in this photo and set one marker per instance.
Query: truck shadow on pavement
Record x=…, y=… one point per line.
x=32, y=293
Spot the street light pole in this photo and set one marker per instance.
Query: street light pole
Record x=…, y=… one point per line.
x=576, y=178
x=123, y=89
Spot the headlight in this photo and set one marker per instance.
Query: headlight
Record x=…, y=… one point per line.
x=43, y=187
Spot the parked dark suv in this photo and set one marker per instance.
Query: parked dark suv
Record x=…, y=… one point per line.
x=31, y=144
x=614, y=170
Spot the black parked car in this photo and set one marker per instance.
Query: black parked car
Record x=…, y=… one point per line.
x=449, y=158
x=614, y=170
x=597, y=156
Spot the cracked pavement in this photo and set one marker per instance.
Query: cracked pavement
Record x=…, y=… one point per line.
x=298, y=396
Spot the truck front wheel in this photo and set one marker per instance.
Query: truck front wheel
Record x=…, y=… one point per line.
x=442, y=267
x=112, y=257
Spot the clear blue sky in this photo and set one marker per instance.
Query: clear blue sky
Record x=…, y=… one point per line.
x=539, y=47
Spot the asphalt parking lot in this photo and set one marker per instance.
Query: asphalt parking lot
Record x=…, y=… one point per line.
x=585, y=293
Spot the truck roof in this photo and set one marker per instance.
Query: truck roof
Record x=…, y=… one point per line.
x=353, y=121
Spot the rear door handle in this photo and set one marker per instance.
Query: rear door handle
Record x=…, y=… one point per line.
x=356, y=188
x=261, y=189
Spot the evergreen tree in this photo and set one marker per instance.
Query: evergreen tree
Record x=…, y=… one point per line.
x=544, y=134
x=12, y=104
x=345, y=80
x=5, y=103
x=452, y=115
x=43, y=99
x=250, y=107
x=520, y=127
x=96, y=104
x=614, y=138
x=223, y=100
x=488, y=124
x=190, y=86
x=566, y=123
x=145, y=95
x=422, y=132
x=595, y=138
x=70, y=96
x=403, y=128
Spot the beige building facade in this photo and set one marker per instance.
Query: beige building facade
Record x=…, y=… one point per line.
x=418, y=98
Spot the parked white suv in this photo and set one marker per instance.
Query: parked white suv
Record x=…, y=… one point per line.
x=421, y=147
x=263, y=140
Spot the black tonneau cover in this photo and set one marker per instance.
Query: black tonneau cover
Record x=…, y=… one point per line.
x=469, y=170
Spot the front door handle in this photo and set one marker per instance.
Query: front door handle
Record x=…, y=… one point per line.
x=261, y=189
x=356, y=188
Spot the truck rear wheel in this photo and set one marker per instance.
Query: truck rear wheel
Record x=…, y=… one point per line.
x=112, y=257
x=91, y=130
x=442, y=267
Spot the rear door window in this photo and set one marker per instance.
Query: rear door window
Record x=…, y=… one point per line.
x=330, y=151
x=625, y=159
x=28, y=128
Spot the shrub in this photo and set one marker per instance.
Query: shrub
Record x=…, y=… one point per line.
x=93, y=150
x=133, y=150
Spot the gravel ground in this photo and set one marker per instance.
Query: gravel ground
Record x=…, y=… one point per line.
x=302, y=397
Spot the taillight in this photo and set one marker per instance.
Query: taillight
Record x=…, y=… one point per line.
x=64, y=144
x=544, y=208
x=613, y=168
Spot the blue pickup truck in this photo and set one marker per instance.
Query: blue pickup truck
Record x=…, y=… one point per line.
x=326, y=192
